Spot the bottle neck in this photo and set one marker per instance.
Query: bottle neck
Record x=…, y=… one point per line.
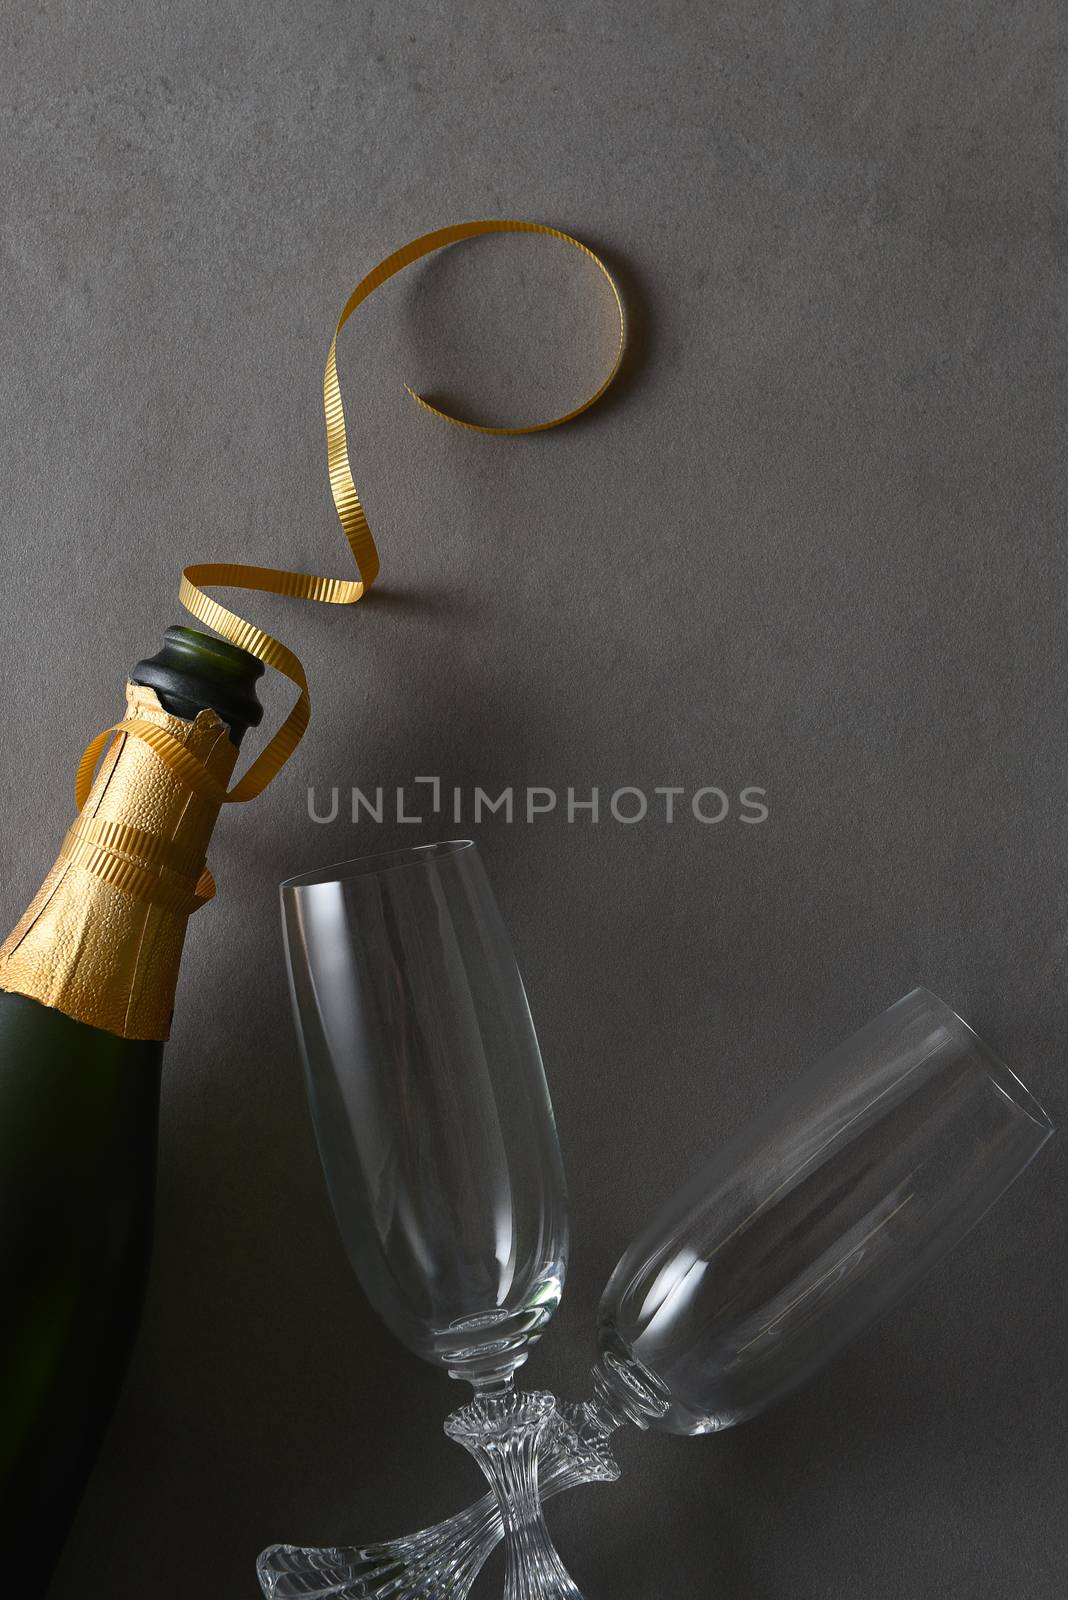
x=102, y=939
x=193, y=671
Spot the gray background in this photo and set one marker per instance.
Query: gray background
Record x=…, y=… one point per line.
x=814, y=543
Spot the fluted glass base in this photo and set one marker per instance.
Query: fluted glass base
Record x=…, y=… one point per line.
x=443, y=1560
x=505, y=1434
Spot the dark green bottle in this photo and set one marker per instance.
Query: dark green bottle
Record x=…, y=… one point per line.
x=87, y=980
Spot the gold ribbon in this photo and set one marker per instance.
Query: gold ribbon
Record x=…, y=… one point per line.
x=106, y=848
x=193, y=773
x=308, y=586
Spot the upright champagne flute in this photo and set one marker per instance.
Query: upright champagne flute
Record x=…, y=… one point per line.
x=437, y=1138
x=812, y=1221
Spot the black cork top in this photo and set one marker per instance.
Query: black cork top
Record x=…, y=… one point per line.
x=194, y=670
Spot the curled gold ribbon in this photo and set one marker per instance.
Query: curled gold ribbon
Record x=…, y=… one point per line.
x=308, y=586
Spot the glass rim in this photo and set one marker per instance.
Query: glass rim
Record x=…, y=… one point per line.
x=383, y=861
x=1008, y=1082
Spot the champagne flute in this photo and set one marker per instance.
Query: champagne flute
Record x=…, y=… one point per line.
x=809, y=1224
x=437, y=1138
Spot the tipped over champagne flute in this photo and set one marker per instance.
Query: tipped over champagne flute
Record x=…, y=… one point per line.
x=809, y=1224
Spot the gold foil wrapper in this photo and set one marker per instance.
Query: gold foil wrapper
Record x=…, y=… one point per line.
x=102, y=939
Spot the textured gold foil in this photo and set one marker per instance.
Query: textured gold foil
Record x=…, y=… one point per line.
x=102, y=938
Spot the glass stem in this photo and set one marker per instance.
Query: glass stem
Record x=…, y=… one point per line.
x=504, y=1433
x=572, y=1448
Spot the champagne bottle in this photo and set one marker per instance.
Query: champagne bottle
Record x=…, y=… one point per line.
x=88, y=979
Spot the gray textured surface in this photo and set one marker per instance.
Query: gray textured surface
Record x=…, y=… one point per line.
x=815, y=543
